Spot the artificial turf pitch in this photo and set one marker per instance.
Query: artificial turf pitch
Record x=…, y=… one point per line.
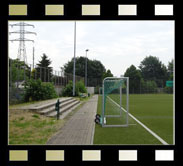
x=153, y=110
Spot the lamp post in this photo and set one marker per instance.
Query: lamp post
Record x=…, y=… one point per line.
x=73, y=90
x=86, y=68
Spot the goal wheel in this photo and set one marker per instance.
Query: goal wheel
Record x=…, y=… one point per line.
x=97, y=116
x=97, y=121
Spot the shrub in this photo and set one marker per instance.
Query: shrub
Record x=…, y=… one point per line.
x=80, y=88
x=67, y=91
x=48, y=90
x=96, y=90
x=151, y=86
x=36, y=116
x=37, y=90
x=168, y=90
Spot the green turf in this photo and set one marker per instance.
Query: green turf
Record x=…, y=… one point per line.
x=153, y=110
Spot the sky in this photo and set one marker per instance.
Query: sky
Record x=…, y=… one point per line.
x=117, y=44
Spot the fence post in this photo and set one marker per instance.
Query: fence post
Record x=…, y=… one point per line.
x=10, y=64
x=35, y=74
x=30, y=72
x=44, y=74
x=17, y=78
x=24, y=71
x=140, y=87
x=56, y=73
x=59, y=78
x=48, y=76
x=41, y=73
x=55, y=77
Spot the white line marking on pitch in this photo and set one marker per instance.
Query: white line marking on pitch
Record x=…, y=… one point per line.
x=144, y=126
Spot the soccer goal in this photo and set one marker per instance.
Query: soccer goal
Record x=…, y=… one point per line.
x=115, y=107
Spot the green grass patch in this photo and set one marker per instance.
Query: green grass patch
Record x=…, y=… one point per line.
x=153, y=110
x=36, y=116
x=30, y=128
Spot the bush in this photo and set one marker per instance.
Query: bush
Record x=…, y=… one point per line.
x=168, y=90
x=37, y=90
x=80, y=88
x=96, y=90
x=151, y=86
x=148, y=86
x=67, y=91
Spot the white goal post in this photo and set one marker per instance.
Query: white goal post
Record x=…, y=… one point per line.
x=115, y=101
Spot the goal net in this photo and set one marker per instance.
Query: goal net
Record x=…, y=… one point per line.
x=115, y=105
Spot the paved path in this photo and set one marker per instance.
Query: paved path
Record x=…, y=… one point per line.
x=79, y=129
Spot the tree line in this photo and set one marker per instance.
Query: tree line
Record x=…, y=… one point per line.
x=96, y=71
x=150, y=76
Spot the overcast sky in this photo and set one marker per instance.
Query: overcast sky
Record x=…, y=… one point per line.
x=117, y=44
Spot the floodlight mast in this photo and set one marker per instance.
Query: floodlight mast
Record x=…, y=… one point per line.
x=22, y=49
x=74, y=70
x=86, y=68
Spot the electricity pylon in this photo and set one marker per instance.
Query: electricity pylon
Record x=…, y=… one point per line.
x=22, y=49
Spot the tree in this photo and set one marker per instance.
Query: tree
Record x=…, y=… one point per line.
x=107, y=74
x=18, y=70
x=95, y=70
x=43, y=69
x=153, y=69
x=134, y=79
x=170, y=70
x=170, y=76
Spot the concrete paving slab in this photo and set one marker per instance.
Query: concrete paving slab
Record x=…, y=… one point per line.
x=79, y=129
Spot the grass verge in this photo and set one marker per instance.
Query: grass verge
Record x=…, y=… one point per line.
x=29, y=128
